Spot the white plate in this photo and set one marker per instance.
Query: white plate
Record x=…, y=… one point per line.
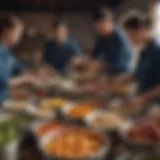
x=15, y=105
x=90, y=118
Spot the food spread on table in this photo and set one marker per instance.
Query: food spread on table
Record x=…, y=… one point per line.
x=75, y=143
x=69, y=141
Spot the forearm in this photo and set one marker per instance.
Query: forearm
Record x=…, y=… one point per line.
x=124, y=78
x=17, y=81
x=152, y=94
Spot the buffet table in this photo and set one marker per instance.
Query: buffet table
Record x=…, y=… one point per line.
x=63, y=109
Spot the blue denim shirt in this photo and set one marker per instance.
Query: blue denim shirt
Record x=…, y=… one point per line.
x=115, y=50
x=9, y=67
x=59, y=56
x=148, y=69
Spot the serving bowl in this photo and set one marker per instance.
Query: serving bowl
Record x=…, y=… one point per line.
x=137, y=145
x=98, y=154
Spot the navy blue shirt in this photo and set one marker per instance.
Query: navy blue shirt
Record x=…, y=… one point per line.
x=9, y=67
x=59, y=56
x=115, y=50
x=148, y=69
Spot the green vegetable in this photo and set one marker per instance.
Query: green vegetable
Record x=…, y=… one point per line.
x=9, y=129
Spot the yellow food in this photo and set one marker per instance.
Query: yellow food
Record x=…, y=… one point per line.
x=53, y=103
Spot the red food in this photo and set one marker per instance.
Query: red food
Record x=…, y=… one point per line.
x=47, y=127
x=145, y=130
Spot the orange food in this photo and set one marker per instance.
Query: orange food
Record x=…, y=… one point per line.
x=74, y=143
x=47, y=127
x=81, y=110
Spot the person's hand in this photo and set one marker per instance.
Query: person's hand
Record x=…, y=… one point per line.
x=96, y=66
x=19, y=93
x=136, y=102
x=31, y=79
x=80, y=63
x=49, y=70
x=45, y=73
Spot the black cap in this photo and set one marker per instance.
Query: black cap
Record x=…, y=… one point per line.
x=136, y=20
x=102, y=13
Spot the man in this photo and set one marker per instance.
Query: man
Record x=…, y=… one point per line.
x=130, y=24
x=147, y=73
x=111, y=46
x=11, y=69
x=59, y=51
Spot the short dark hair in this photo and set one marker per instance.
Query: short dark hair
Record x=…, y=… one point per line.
x=136, y=21
x=8, y=22
x=58, y=23
x=102, y=13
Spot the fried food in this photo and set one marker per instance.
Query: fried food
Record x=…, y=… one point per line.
x=81, y=110
x=74, y=143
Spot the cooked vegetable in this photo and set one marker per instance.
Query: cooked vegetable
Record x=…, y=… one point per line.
x=9, y=129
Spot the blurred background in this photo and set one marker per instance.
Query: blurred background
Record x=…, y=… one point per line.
x=97, y=115
x=38, y=15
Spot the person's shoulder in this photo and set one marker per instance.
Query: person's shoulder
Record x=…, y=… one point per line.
x=48, y=42
x=154, y=44
x=119, y=34
x=72, y=45
x=5, y=52
x=154, y=48
x=121, y=37
x=70, y=42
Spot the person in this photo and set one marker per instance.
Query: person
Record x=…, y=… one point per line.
x=129, y=23
x=11, y=29
x=59, y=50
x=111, y=45
x=147, y=72
x=30, y=52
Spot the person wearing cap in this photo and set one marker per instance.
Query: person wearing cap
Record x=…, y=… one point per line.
x=147, y=73
x=111, y=44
